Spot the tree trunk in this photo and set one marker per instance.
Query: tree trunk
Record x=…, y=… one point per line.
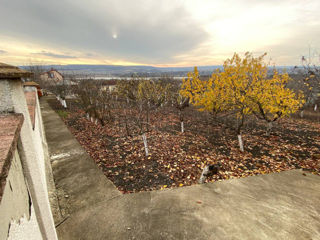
x=64, y=103
x=181, y=121
x=302, y=113
x=127, y=127
x=204, y=174
x=240, y=143
x=148, y=118
x=144, y=138
x=182, y=127
x=315, y=107
x=270, y=125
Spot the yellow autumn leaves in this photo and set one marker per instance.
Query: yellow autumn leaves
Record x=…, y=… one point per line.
x=243, y=86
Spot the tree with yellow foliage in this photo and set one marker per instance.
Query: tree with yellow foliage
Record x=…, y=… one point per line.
x=274, y=100
x=242, y=88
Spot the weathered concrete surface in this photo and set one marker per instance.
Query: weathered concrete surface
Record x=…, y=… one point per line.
x=276, y=206
x=79, y=182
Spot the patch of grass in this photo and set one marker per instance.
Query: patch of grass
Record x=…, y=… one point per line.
x=62, y=114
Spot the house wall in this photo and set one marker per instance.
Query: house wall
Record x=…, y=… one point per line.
x=57, y=77
x=33, y=154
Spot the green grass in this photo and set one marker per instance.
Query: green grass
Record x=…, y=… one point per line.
x=62, y=114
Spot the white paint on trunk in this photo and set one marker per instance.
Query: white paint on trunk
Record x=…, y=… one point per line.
x=96, y=121
x=315, y=107
x=204, y=174
x=240, y=143
x=182, y=127
x=144, y=138
x=88, y=116
x=91, y=119
x=270, y=125
x=64, y=103
x=302, y=113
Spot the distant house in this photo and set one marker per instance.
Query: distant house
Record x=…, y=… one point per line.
x=108, y=85
x=52, y=77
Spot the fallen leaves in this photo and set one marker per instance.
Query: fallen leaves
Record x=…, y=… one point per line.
x=177, y=159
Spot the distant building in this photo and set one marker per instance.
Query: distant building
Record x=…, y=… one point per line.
x=52, y=77
x=108, y=85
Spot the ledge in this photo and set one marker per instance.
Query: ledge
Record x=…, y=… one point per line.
x=31, y=102
x=12, y=72
x=10, y=126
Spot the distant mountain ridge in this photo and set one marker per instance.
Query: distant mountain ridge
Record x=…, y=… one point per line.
x=129, y=70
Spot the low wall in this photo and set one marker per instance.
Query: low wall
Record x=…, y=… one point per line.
x=25, y=211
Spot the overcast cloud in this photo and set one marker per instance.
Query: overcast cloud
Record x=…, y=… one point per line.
x=50, y=54
x=163, y=32
x=134, y=30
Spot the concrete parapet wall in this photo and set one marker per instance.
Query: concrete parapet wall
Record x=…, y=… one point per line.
x=24, y=208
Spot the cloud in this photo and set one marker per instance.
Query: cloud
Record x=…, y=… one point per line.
x=289, y=50
x=149, y=31
x=2, y=51
x=54, y=55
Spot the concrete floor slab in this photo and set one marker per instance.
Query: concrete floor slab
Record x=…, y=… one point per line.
x=282, y=205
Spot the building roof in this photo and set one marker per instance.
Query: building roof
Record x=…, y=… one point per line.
x=8, y=71
x=108, y=82
x=10, y=126
x=52, y=70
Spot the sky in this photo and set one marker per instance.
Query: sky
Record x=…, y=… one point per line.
x=157, y=32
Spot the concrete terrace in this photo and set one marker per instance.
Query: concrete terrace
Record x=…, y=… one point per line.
x=283, y=205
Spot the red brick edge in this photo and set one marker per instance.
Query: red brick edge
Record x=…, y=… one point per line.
x=10, y=126
x=31, y=102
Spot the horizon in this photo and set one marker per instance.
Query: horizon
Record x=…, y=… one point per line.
x=168, y=33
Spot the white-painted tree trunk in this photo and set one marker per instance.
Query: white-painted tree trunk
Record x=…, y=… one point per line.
x=91, y=119
x=144, y=138
x=204, y=174
x=182, y=127
x=64, y=103
x=270, y=125
x=96, y=122
x=302, y=113
x=88, y=116
x=315, y=107
x=240, y=143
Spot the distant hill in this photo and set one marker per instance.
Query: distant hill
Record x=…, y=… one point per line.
x=118, y=70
